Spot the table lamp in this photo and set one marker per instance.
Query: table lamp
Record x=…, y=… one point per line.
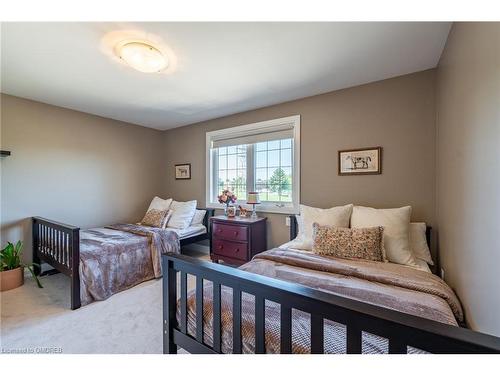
x=253, y=199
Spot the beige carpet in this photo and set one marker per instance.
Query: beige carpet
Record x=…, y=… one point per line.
x=128, y=322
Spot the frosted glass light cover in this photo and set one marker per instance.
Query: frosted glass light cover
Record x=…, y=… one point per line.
x=143, y=57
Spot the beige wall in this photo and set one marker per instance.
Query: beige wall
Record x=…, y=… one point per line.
x=88, y=171
x=73, y=167
x=397, y=114
x=468, y=169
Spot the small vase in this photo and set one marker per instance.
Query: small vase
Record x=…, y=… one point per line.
x=230, y=210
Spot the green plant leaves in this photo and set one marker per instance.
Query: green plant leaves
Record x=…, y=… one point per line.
x=10, y=259
x=10, y=256
x=30, y=268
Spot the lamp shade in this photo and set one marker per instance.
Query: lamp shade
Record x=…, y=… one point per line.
x=253, y=197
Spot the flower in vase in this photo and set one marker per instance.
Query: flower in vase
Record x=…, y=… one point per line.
x=227, y=197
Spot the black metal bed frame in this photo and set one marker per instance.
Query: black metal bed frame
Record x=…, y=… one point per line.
x=58, y=245
x=400, y=329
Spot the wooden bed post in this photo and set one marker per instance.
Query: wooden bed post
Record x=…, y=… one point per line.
x=35, y=245
x=169, y=305
x=58, y=245
x=293, y=226
x=204, y=236
x=75, y=269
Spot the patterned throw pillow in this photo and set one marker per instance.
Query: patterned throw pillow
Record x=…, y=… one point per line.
x=357, y=243
x=154, y=218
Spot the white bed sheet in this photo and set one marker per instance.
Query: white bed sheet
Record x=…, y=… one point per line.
x=191, y=231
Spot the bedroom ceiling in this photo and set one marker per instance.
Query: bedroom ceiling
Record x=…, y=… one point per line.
x=218, y=68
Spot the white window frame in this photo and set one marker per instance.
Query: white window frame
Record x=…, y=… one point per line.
x=269, y=207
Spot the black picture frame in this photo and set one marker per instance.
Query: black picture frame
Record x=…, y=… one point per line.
x=183, y=171
x=377, y=151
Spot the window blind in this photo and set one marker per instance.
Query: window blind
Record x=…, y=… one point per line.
x=253, y=136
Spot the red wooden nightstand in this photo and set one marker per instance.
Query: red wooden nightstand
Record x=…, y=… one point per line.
x=236, y=240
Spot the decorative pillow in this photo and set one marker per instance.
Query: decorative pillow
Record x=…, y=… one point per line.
x=154, y=218
x=396, y=223
x=162, y=205
x=335, y=216
x=182, y=214
x=418, y=242
x=198, y=217
x=357, y=243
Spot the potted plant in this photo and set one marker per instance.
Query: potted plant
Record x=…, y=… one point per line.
x=12, y=268
x=227, y=197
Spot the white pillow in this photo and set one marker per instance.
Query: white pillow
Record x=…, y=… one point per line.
x=335, y=216
x=396, y=223
x=182, y=214
x=422, y=265
x=167, y=218
x=418, y=242
x=160, y=204
x=198, y=217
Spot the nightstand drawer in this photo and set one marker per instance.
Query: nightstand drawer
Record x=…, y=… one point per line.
x=230, y=249
x=230, y=232
x=236, y=240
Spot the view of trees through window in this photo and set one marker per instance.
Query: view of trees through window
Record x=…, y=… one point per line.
x=273, y=170
x=232, y=170
x=270, y=173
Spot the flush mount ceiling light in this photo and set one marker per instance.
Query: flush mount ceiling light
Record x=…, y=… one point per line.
x=142, y=56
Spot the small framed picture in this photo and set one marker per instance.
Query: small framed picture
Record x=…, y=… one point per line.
x=183, y=171
x=360, y=161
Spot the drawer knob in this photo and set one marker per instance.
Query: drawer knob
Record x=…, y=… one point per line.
x=220, y=247
x=237, y=249
x=235, y=233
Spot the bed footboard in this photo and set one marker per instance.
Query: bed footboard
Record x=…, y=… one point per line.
x=401, y=330
x=58, y=245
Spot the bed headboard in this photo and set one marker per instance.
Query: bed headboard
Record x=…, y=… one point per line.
x=428, y=231
x=293, y=226
x=208, y=214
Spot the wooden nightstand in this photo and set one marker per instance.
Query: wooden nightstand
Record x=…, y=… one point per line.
x=236, y=240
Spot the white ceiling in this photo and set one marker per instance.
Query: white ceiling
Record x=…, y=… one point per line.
x=221, y=68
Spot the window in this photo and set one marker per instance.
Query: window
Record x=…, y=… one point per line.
x=262, y=157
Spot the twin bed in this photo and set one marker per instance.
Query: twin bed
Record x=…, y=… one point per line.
x=103, y=261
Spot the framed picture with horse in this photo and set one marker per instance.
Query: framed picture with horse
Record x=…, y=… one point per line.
x=360, y=161
x=183, y=171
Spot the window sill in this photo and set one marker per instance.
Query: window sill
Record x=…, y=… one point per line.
x=261, y=208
